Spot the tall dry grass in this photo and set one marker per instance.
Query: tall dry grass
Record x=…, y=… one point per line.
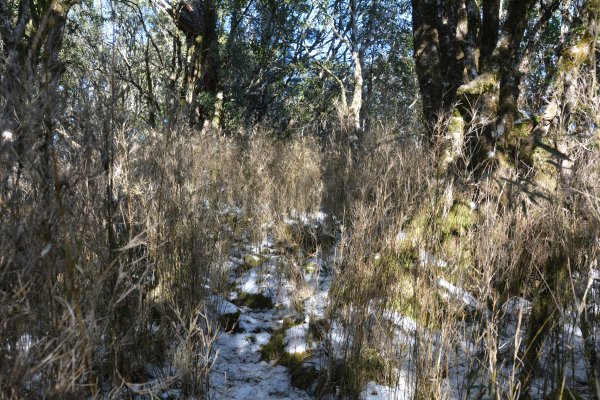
x=108, y=259
x=451, y=283
x=446, y=283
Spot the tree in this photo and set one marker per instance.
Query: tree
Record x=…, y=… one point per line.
x=471, y=61
x=197, y=20
x=352, y=35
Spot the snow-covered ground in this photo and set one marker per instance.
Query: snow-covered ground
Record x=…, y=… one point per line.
x=240, y=372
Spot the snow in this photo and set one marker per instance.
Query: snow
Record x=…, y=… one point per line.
x=223, y=306
x=516, y=305
x=268, y=241
x=250, y=283
x=452, y=291
x=426, y=258
x=375, y=391
x=257, y=321
x=239, y=373
x=7, y=136
x=316, y=305
x=296, y=339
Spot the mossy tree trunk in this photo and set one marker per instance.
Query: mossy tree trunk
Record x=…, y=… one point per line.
x=197, y=20
x=470, y=66
x=470, y=69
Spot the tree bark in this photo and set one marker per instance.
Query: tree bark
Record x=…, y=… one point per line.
x=490, y=28
x=197, y=20
x=507, y=60
x=426, y=42
x=357, y=95
x=454, y=45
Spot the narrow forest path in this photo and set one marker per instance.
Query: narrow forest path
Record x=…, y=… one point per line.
x=277, y=333
x=266, y=350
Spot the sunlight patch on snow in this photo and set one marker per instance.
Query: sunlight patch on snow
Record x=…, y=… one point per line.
x=223, y=306
x=452, y=291
x=296, y=339
x=375, y=391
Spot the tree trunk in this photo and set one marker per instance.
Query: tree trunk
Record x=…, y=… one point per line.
x=470, y=71
x=453, y=47
x=426, y=42
x=356, y=105
x=355, y=48
x=197, y=20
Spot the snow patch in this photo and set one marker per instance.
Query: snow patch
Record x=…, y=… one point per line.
x=296, y=339
x=452, y=291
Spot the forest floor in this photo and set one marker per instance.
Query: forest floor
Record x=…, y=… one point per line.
x=278, y=334
x=279, y=297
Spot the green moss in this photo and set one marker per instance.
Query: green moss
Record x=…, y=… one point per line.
x=251, y=261
x=521, y=131
x=575, y=55
x=458, y=221
x=311, y=267
x=376, y=367
x=457, y=252
x=478, y=86
x=456, y=126
x=546, y=174
x=275, y=348
x=396, y=271
x=302, y=376
x=255, y=301
x=397, y=262
x=415, y=231
x=454, y=142
x=403, y=300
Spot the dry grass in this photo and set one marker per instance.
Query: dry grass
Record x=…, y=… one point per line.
x=116, y=248
x=492, y=264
